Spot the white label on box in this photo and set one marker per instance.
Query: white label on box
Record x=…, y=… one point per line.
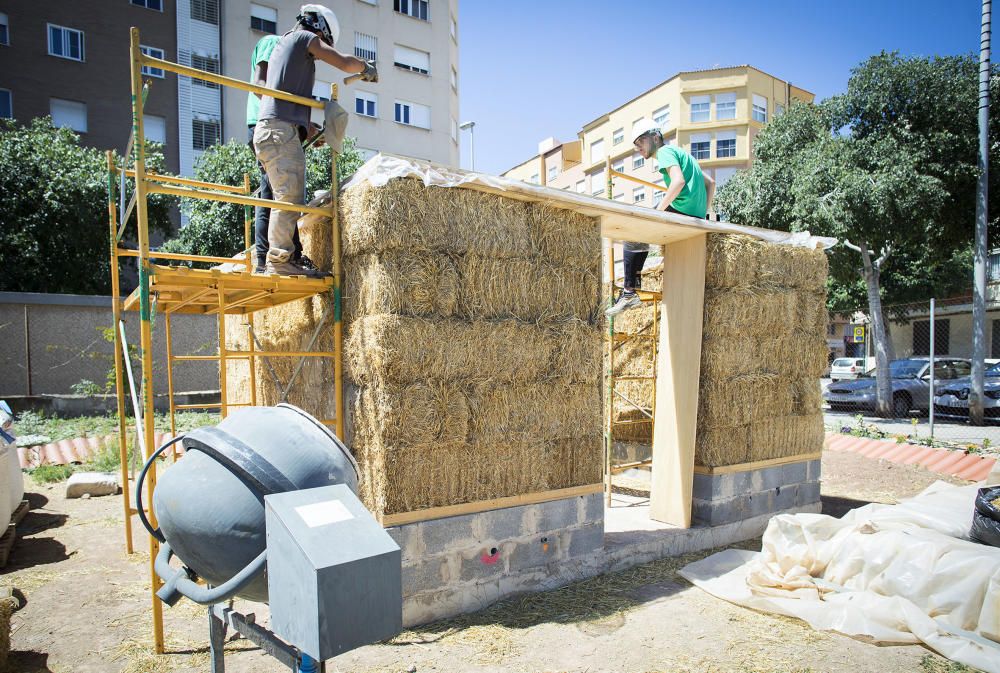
x=323, y=513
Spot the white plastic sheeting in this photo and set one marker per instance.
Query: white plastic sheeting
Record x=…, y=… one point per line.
x=902, y=573
x=617, y=218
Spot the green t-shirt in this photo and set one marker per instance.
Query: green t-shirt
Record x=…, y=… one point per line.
x=692, y=200
x=261, y=54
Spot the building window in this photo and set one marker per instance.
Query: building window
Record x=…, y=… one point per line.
x=553, y=173
x=4, y=29
x=454, y=79
x=155, y=128
x=415, y=8
x=66, y=42
x=701, y=146
x=725, y=106
x=6, y=104
x=370, y=2
x=700, y=108
x=263, y=19
x=637, y=161
x=412, y=114
x=413, y=60
x=454, y=29
x=597, y=151
x=366, y=46
x=581, y=186
x=760, y=109
x=995, y=339
x=454, y=129
x=638, y=195
x=205, y=10
x=534, y=179
x=366, y=104
x=208, y=64
x=657, y=198
x=618, y=166
x=779, y=109
x=725, y=144
x=149, y=4
x=68, y=113
x=620, y=196
x=321, y=91
x=993, y=266
x=922, y=337
x=618, y=137
x=661, y=117
x=598, y=185
x=155, y=53
x=204, y=133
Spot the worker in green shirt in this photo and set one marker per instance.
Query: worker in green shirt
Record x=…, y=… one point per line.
x=258, y=75
x=689, y=192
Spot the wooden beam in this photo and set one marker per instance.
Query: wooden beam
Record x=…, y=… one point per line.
x=677, y=379
x=758, y=464
x=486, y=505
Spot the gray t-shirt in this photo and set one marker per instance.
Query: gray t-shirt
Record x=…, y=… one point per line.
x=291, y=68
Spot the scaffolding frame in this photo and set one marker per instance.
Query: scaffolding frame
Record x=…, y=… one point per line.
x=180, y=289
x=617, y=340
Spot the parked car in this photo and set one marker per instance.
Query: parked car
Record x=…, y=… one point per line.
x=847, y=368
x=951, y=400
x=910, y=385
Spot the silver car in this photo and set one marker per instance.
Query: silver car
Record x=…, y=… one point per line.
x=910, y=385
x=951, y=400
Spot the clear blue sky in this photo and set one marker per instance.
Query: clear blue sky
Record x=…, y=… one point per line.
x=529, y=70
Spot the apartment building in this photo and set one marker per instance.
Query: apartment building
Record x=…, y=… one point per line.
x=714, y=114
x=413, y=110
x=69, y=59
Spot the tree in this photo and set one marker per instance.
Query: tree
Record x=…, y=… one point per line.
x=216, y=228
x=889, y=168
x=53, y=194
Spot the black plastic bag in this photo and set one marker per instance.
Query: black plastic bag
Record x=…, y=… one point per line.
x=986, y=518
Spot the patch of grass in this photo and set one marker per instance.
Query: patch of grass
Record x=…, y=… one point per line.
x=56, y=428
x=50, y=474
x=931, y=664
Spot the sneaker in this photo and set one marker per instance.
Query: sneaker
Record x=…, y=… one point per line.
x=291, y=268
x=306, y=263
x=626, y=301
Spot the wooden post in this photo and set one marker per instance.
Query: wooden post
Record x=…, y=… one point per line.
x=677, y=377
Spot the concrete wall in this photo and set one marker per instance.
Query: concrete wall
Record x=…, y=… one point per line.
x=64, y=344
x=960, y=333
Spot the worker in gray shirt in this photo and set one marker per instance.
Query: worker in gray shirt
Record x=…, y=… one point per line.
x=283, y=125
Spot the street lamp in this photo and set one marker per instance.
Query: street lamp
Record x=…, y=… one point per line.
x=471, y=128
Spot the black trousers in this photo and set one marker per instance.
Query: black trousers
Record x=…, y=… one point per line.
x=634, y=261
x=262, y=215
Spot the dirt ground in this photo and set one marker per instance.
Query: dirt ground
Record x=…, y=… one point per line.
x=88, y=610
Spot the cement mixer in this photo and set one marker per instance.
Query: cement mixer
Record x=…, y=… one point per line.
x=271, y=488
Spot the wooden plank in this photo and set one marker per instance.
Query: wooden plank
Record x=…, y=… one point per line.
x=758, y=464
x=22, y=511
x=486, y=505
x=677, y=377
x=7, y=544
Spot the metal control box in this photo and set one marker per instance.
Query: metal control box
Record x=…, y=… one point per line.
x=333, y=573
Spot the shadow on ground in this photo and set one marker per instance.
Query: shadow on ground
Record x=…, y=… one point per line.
x=838, y=507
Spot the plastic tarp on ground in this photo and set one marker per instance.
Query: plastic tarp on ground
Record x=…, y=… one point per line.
x=903, y=573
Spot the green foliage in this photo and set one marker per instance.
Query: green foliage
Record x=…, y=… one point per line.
x=53, y=194
x=216, y=228
x=890, y=162
x=86, y=387
x=49, y=474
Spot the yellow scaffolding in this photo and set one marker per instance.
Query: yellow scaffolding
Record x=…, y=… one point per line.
x=179, y=289
x=617, y=340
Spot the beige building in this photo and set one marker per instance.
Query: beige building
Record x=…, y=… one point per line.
x=412, y=110
x=714, y=114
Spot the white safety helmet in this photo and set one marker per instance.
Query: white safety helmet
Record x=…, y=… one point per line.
x=642, y=127
x=321, y=19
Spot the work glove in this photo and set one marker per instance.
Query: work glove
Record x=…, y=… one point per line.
x=370, y=73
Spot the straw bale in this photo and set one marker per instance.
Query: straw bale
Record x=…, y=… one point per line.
x=404, y=283
x=796, y=354
x=786, y=436
x=7, y=606
x=627, y=429
x=807, y=398
x=417, y=414
x=571, y=238
x=750, y=312
x=741, y=399
x=719, y=446
x=440, y=475
x=406, y=350
x=735, y=261
x=534, y=410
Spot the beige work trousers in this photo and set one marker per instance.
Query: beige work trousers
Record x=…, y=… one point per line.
x=280, y=152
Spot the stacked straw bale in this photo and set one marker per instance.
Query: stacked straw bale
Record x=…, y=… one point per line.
x=472, y=349
x=763, y=350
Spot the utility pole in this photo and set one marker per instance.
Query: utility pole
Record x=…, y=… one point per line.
x=471, y=128
x=982, y=201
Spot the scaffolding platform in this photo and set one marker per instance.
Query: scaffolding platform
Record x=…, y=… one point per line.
x=180, y=289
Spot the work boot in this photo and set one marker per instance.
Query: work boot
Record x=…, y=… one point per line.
x=626, y=300
x=292, y=268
